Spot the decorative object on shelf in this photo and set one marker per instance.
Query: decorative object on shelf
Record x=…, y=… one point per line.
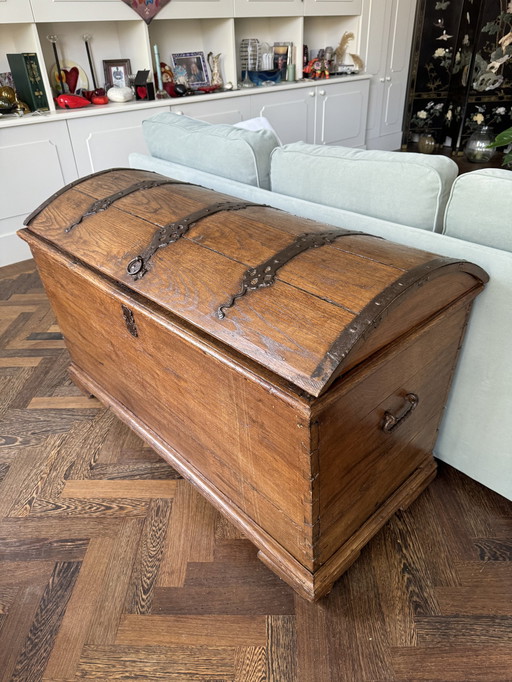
x=281, y=57
x=22, y=108
x=262, y=78
x=147, y=9
x=7, y=106
x=99, y=99
x=345, y=61
x=249, y=60
x=87, y=39
x=266, y=57
x=477, y=148
x=8, y=94
x=194, y=65
x=69, y=101
x=143, y=90
x=214, y=64
x=250, y=51
x=60, y=79
x=120, y=94
x=72, y=77
x=305, y=60
x=27, y=79
x=317, y=68
x=426, y=143
x=161, y=93
x=6, y=79
x=117, y=72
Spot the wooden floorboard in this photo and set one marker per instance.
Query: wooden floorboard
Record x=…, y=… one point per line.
x=113, y=568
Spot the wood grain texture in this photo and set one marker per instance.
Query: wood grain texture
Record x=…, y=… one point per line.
x=425, y=601
x=338, y=281
x=294, y=442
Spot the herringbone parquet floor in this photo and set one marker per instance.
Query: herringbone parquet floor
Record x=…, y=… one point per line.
x=113, y=568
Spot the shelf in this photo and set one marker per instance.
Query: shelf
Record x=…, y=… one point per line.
x=196, y=35
x=110, y=40
x=174, y=103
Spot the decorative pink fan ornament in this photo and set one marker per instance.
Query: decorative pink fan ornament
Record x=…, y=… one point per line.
x=147, y=9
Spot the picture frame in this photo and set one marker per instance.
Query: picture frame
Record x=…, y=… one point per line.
x=281, y=56
x=117, y=72
x=190, y=67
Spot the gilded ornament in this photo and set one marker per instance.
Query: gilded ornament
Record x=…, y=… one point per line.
x=8, y=94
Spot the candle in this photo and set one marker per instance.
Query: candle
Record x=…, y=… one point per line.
x=158, y=70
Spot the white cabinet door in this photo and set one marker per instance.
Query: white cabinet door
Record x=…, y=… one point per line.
x=106, y=141
x=386, y=47
x=374, y=47
x=332, y=7
x=269, y=8
x=196, y=9
x=15, y=10
x=291, y=113
x=81, y=10
x=231, y=110
x=396, y=78
x=35, y=161
x=341, y=110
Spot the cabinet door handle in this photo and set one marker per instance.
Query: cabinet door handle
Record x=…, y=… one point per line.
x=381, y=80
x=311, y=93
x=388, y=78
x=322, y=92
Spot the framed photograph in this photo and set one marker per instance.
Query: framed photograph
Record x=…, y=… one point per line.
x=281, y=56
x=117, y=72
x=190, y=67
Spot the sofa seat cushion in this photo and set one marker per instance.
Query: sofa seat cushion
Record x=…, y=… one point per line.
x=406, y=188
x=479, y=209
x=225, y=150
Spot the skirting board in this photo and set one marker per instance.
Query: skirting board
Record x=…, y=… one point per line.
x=13, y=249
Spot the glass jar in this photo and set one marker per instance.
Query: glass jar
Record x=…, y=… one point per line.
x=477, y=147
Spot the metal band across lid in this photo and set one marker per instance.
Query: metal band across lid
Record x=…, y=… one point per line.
x=171, y=232
x=264, y=274
x=102, y=204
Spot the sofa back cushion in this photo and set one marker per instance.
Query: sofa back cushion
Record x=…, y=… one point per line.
x=233, y=153
x=406, y=188
x=480, y=208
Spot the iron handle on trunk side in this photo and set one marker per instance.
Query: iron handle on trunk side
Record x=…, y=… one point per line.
x=391, y=421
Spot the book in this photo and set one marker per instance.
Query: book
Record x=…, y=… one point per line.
x=28, y=82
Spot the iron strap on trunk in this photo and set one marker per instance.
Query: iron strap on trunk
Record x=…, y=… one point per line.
x=264, y=274
x=171, y=232
x=104, y=203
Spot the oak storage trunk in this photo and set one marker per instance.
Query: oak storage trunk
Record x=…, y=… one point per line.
x=295, y=373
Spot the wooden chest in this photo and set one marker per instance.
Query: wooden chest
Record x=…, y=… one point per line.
x=295, y=373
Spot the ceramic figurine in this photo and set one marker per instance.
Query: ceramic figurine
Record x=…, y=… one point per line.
x=214, y=64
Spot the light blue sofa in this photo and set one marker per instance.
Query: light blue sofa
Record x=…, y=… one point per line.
x=411, y=199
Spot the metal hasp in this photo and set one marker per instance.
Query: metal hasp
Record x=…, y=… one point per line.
x=264, y=274
x=106, y=202
x=171, y=232
x=129, y=320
